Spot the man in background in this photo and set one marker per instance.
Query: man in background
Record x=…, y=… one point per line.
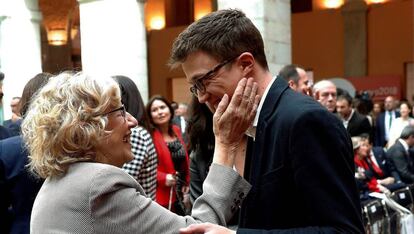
x=384, y=121
x=14, y=123
x=324, y=92
x=297, y=78
x=354, y=122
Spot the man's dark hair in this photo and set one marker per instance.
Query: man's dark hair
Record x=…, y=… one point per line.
x=345, y=96
x=407, y=132
x=31, y=88
x=223, y=34
x=1, y=76
x=289, y=72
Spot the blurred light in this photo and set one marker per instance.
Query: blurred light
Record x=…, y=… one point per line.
x=375, y=1
x=57, y=36
x=157, y=22
x=200, y=15
x=333, y=3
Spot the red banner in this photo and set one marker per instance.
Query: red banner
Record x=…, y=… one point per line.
x=379, y=87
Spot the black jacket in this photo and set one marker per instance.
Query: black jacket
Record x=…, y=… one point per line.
x=301, y=169
x=402, y=161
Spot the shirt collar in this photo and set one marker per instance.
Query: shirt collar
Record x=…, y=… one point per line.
x=262, y=99
x=404, y=144
x=251, y=131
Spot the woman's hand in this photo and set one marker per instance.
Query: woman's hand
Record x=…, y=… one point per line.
x=207, y=228
x=386, y=181
x=232, y=119
x=170, y=180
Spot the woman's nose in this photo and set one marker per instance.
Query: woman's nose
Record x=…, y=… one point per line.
x=132, y=122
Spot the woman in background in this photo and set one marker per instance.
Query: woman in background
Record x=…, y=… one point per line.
x=201, y=145
x=173, y=166
x=399, y=123
x=144, y=165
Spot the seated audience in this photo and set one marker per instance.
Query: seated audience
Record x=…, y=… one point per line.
x=399, y=153
x=78, y=136
x=373, y=166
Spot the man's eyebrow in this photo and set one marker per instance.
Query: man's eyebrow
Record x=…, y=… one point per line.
x=196, y=77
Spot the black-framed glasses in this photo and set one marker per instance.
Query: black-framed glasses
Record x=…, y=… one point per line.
x=198, y=83
x=121, y=109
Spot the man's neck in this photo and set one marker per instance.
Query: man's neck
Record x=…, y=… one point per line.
x=262, y=79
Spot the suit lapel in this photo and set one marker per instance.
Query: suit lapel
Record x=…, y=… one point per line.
x=269, y=107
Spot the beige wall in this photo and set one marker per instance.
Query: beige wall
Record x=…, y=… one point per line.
x=317, y=43
x=160, y=75
x=317, y=40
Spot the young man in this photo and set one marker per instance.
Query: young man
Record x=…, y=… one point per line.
x=299, y=158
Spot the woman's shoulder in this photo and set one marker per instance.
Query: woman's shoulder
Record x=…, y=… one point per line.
x=100, y=175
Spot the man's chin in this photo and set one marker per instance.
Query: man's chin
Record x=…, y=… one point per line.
x=211, y=108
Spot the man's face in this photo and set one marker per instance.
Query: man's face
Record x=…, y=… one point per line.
x=14, y=104
x=389, y=103
x=343, y=108
x=224, y=81
x=327, y=97
x=303, y=82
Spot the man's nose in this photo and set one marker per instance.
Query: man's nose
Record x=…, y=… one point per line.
x=202, y=96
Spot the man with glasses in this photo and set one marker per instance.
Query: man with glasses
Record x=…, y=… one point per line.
x=298, y=157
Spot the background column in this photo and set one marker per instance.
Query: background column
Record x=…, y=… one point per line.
x=113, y=39
x=354, y=13
x=20, y=53
x=273, y=19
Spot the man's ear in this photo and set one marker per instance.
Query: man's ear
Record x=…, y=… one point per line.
x=316, y=95
x=291, y=84
x=246, y=61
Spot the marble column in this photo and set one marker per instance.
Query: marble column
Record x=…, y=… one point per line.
x=113, y=39
x=20, y=46
x=273, y=19
x=354, y=13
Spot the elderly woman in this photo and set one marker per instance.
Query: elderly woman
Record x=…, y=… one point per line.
x=77, y=133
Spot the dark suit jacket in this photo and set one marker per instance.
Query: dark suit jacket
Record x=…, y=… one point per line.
x=18, y=188
x=358, y=124
x=379, y=137
x=402, y=161
x=301, y=169
x=386, y=164
x=13, y=127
